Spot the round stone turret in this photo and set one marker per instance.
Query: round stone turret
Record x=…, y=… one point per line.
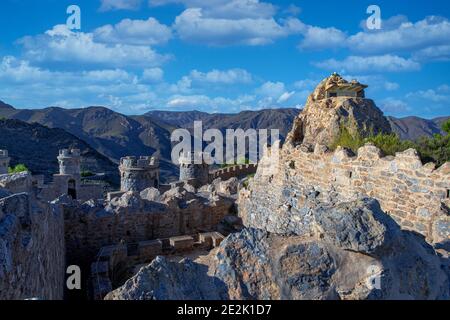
x=4, y=161
x=137, y=174
x=69, y=162
x=193, y=169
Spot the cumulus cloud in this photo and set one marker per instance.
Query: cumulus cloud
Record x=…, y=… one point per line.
x=316, y=38
x=390, y=63
x=430, y=95
x=408, y=36
x=193, y=26
x=394, y=106
x=30, y=86
x=63, y=45
x=210, y=104
x=435, y=53
x=107, y=5
x=231, y=76
x=226, y=9
x=134, y=32
x=153, y=75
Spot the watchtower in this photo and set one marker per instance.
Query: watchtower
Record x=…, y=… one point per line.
x=137, y=174
x=4, y=161
x=193, y=169
x=69, y=171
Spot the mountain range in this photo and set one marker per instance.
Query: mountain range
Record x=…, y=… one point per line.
x=114, y=135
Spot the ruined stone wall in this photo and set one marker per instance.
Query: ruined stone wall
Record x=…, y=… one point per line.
x=17, y=182
x=88, y=231
x=238, y=171
x=417, y=196
x=32, y=251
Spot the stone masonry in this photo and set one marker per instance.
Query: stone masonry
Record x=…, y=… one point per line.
x=32, y=251
x=138, y=174
x=417, y=196
x=4, y=161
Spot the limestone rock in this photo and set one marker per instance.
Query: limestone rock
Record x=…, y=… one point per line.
x=354, y=251
x=151, y=194
x=165, y=280
x=321, y=119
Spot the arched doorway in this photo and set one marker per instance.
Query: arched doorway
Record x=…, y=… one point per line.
x=72, y=189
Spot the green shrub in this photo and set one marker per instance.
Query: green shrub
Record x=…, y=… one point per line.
x=347, y=140
x=431, y=149
x=435, y=149
x=86, y=173
x=446, y=126
x=18, y=168
x=389, y=144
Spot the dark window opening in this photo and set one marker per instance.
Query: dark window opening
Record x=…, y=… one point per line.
x=332, y=94
x=350, y=174
x=448, y=193
x=72, y=190
x=155, y=183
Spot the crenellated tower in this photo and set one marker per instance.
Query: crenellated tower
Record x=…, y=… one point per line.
x=137, y=174
x=4, y=161
x=193, y=169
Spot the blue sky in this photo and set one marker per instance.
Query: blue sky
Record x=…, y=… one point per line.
x=222, y=56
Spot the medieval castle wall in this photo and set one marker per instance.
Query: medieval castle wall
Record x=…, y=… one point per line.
x=238, y=171
x=4, y=161
x=32, y=250
x=89, y=229
x=417, y=196
x=138, y=174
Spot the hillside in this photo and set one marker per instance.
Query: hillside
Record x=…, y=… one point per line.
x=412, y=128
x=268, y=119
x=110, y=133
x=37, y=147
x=115, y=135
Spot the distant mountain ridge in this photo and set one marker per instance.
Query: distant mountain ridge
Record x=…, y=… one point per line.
x=412, y=128
x=281, y=119
x=38, y=146
x=115, y=135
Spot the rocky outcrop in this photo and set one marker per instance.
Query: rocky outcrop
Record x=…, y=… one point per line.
x=312, y=229
x=133, y=217
x=32, y=252
x=322, y=118
x=347, y=250
x=166, y=280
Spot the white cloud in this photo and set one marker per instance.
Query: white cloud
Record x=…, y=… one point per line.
x=135, y=32
x=272, y=89
x=231, y=76
x=193, y=26
x=226, y=9
x=153, y=75
x=408, y=36
x=203, y=102
x=430, y=94
x=285, y=97
x=62, y=45
x=444, y=88
x=435, y=53
x=393, y=106
x=107, y=5
x=383, y=63
x=316, y=38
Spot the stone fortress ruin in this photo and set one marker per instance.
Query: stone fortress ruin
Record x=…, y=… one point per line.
x=4, y=161
x=111, y=235
x=144, y=219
